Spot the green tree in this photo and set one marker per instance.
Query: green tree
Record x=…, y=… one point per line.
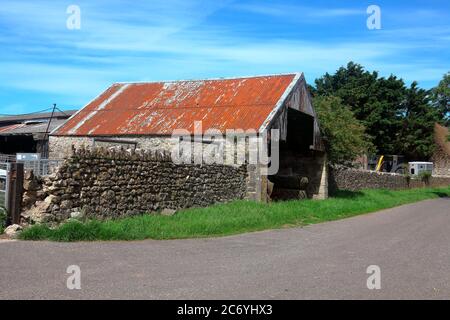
x=376, y=102
x=417, y=134
x=440, y=97
x=345, y=135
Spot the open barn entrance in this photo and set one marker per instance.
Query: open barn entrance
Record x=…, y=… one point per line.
x=12, y=144
x=301, y=167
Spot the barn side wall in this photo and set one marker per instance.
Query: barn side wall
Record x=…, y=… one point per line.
x=256, y=184
x=61, y=147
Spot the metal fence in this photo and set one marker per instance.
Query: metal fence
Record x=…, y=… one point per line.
x=4, y=183
x=40, y=167
x=7, y=158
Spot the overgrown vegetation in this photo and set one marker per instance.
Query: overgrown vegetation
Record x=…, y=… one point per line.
x=233, y=218
x=408, y=178
x=425, y=176
x=3, y=218
x=398, y=119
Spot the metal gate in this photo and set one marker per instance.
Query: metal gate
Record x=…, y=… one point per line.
x=4, y=184
x=11, y=190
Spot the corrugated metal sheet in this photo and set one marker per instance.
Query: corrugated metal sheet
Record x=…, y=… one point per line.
x=28, y=128
x=37, y=116
x=10, y=127
x=159, y=108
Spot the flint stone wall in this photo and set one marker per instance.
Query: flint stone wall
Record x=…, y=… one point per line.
x=110, y=184
x=341, y=178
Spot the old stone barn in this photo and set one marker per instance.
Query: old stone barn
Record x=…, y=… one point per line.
x=144, y=116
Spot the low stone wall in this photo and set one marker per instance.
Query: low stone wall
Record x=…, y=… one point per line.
x=111, y=183
x=341, y=178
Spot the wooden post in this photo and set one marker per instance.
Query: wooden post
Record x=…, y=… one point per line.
x=15, y=192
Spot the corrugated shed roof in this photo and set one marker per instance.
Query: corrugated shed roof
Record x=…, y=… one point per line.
x=37, y=116
x=158, y=108
x=10, y=127
x=30, y=128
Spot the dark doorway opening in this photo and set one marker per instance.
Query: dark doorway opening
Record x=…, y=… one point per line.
x=15, y=144
x=300, y=166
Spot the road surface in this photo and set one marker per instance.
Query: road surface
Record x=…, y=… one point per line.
x=410, y=244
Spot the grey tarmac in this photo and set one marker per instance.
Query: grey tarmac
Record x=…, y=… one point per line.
x=410, y=244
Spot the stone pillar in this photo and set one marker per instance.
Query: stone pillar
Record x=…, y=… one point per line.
x=323, y=187
x=256, y=184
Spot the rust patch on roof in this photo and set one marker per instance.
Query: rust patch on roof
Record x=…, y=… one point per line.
x=11, y=127
x=158, y=108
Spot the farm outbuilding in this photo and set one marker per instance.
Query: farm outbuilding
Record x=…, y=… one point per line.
x=145, y=116
x=28, y=133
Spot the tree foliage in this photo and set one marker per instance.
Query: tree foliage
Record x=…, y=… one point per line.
x=440, y=97
x=398, y=119
x=345, y=135
x=376, y=102
x=416, y=137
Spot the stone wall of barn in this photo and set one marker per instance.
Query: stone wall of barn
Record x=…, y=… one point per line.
x=109, y=184
x=61, y=147
x=342, y=178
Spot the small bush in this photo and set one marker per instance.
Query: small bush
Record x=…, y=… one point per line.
x=407, y=178
x=425, y=176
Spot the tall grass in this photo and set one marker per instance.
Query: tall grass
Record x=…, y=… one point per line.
x=232, y=218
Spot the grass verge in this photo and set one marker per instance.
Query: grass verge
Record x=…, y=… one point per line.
x=233, y=218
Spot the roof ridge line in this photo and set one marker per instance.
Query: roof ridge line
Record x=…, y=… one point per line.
x=211, y=79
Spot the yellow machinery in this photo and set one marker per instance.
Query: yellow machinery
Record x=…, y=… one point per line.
x=379, y=164
x=389, y=163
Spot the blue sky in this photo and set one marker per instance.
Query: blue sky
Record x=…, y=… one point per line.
x=43, y=62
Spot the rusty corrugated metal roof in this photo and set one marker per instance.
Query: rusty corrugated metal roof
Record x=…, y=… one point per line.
x=158, y=108
x=11, y=127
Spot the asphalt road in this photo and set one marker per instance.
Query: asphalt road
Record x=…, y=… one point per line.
x=410, y=244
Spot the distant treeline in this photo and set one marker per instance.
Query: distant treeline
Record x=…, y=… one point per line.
x=361, y=112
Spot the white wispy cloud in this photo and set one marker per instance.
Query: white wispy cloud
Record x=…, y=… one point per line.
x=298, y=11
x=179, y=39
